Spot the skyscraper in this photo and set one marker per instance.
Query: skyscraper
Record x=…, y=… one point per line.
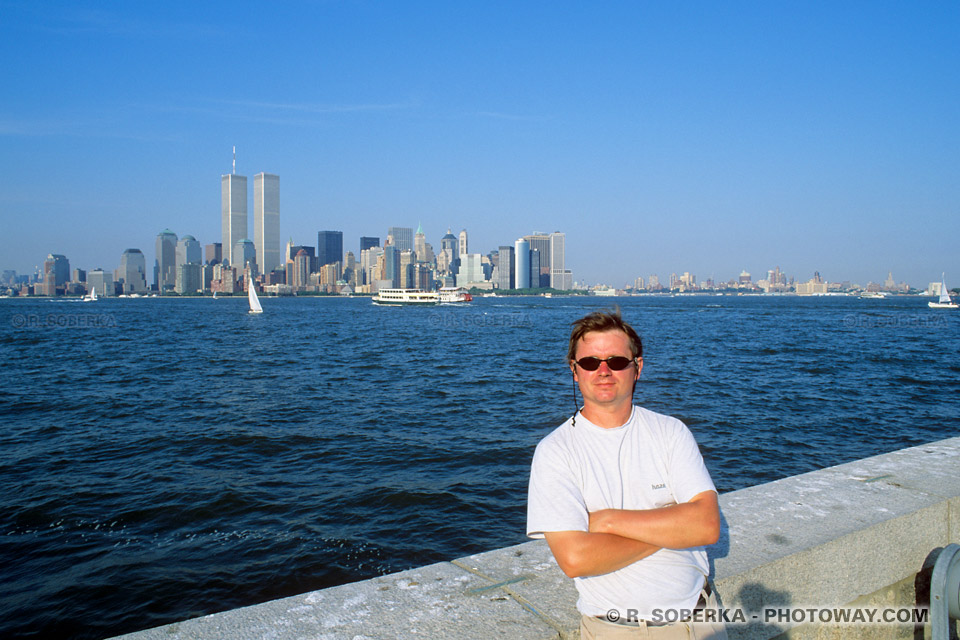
x=506, y=268
x=188, y=251
x=368, y=242
x=233, y=213
x=245, y=254
x=266, y=221
x=560, y=278
x=402, y=237
x=462, y=244
x=133, y=271
x=420, y=244
x=540, y=242
x=329, y=247
x=165, y=264
x=522, y=268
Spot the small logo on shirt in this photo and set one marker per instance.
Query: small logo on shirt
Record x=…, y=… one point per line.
x=658, y=486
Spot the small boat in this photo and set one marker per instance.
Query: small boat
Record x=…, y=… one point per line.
x=944, y=302
x=873, y=295
x=92, y=296
x=454, y=295
x=254, y=300
x=405, y=297
x=214, y=295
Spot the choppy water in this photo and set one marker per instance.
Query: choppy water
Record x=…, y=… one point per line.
x=163, y=458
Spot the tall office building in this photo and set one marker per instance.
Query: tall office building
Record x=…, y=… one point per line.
x=420, y=244
x=133, y=271
x=560, y=277
x=213, y=253
x=329, y=247
x=165, y=264
x=233, y=213
x=266, y=221
x=471, y=270
x=245, y=254
x=391, y=265
x=535, y=281
x=56, y=272
x=506, y=268
x=540, y=242
x=188, y=251
x=462, y=244
x=522, y=268
x=368, y=242
x=402, y=237
x=100, y=280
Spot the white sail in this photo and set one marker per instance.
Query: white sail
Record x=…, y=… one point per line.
x=254, y=300
x=944, y=292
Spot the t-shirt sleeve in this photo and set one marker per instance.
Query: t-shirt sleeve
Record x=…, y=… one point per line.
x=554, y=501
x=687, y=472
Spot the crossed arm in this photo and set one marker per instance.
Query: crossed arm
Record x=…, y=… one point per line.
x=620, y=537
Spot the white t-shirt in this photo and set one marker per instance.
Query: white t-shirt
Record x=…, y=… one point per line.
x=651, y=461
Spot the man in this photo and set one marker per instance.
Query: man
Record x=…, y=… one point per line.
x=623, y=498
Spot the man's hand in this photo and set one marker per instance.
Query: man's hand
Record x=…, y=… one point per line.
x=679, y=526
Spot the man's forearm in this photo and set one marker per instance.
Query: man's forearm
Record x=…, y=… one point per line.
x=679, y=526
x=582, y=553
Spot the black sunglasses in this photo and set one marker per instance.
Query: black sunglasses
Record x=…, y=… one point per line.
x=616, y=363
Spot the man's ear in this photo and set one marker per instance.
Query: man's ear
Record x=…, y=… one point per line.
x=573, y=370
x=639, y=367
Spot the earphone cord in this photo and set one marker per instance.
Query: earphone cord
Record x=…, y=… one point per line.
x=576, y=407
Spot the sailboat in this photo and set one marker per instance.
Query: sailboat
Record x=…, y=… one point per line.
x=254, y=300
x=92, y=296
x=944, y=302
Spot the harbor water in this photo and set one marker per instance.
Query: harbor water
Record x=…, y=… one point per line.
x=166, y=458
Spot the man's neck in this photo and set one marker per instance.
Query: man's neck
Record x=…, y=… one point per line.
x=607, y=418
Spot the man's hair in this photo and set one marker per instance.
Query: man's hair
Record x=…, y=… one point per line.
x=603, y=321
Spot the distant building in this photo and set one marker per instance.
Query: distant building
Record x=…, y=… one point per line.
x=133, y=271
x=189, y=278
x=471, y=270
x=814, y=286
x=266, y=221
x=301, y=270
x=507, y=275
x=100, y=280
x=329, y=247
x=522, y=264
x=420, y=244
x=402, y=237
x=462, y=244
x=188, y=251
x=368, y=242
x=213, y=253
x=535, y=281
x=560, y=277
x=450, y=246
x=59, y=266
x=244, y=255
x=164, y=267
x=541, y=242
x=391, y=265
x=233, y=213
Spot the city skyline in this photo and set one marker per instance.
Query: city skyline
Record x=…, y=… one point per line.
x=659, y=138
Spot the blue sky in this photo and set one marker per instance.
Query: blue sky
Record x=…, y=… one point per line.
x=660, y=137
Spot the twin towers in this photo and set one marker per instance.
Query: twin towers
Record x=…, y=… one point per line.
x=266, y=221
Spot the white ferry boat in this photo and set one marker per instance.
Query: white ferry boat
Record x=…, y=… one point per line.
x=412, y=297
x=454, y=295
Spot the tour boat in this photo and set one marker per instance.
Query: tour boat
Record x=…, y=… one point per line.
x=454, y=295
x=944, y=302
x=406, y=297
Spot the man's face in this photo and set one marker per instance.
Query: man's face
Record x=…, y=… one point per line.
x=604, y=386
